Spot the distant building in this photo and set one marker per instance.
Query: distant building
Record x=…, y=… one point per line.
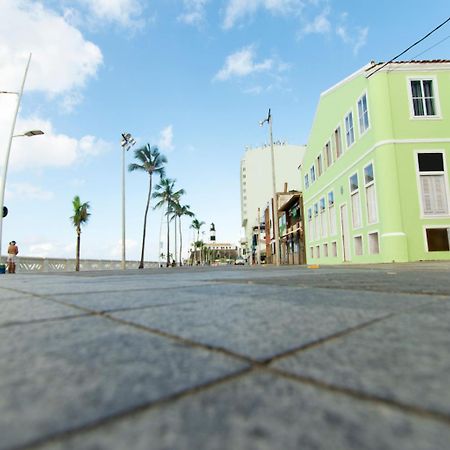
x=375, y=175
x=256, y=186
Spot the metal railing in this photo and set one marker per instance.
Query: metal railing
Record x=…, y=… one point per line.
x=35, y=264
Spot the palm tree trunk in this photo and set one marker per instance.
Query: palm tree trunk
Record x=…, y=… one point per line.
x=141, y=263
x=77, y=259
x=168, y=236
x=176, y=244
x=181, y=238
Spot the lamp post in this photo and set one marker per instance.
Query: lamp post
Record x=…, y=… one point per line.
x=274, y=189
x=8, y=149
x=126, y=143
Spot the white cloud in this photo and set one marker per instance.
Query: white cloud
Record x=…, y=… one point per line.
x=194, y=12
x=27, y=191
x=238, y=9
x=53, y=149
x=63, y=59
x=126, y=13
x=320, y=24
x=358, y=41
x=166, y=139
x=241, y=64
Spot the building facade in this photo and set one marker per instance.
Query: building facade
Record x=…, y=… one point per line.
x=375, y=175
x=256, y=186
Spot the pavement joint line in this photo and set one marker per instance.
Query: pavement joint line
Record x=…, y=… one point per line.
x=60, y=436
x=364, y=396
x=348, y=331
x=44, y=320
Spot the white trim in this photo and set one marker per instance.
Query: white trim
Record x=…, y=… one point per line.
x=366, y=186
x=393, y=234
x=368, y=243
x=437, y=104
x=419, y=187
x=421, y=67
x=348, y=147
x=345, y=80
x=373, y=148
x=365, y=93
x=425, y=240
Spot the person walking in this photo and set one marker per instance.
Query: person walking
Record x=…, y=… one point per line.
x=13, y=250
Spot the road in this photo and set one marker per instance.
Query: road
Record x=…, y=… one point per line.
x=335, y=358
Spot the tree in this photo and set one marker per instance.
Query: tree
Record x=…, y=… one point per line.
x=80, y=217
x=197, y=225
x=166, y=194
x=180, y=211
x=151, y=162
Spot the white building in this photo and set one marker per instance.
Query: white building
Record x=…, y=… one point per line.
x=256, y=180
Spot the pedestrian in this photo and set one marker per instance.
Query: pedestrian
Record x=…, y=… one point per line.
x=13, y=250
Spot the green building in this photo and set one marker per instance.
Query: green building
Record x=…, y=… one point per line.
x=375, y=174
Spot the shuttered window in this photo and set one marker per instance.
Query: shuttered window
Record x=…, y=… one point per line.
x=371, y=198
x=432, y=184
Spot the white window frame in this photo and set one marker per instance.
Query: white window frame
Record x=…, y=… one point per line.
x=319, y=164
x=352, y=194
x=335, y=155
x=353, y=129
x=306, y=181
x=368, y=185
x=424, y=231
x=323, y=218
x=328, y=162
x=358, y=236
x=334, y=249
x=361, y=131
x=437, y=104
x=332, y=221
x=419, y=184
x=368, y=242
x=312, y=174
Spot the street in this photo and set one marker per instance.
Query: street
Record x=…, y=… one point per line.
x=229, y=357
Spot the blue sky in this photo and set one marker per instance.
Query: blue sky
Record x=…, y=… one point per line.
x=191, y=76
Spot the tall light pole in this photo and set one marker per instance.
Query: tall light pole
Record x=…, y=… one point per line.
x=274, y=189
x=126, y=143
x=8, y=150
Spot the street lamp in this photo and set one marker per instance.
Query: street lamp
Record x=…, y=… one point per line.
x=126, y=143
x=8, y=149
x=274, y=189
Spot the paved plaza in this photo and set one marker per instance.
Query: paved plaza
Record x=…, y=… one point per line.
x=335, y=358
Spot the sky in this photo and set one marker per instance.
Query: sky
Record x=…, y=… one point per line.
x=193, y=77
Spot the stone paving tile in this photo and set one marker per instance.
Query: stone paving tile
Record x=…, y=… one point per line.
x=64, y=374
x=261, y=321
x=405, y=359
x=28, y=308
x=264, y=412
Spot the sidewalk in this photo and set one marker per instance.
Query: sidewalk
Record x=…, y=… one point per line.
x=338, y=358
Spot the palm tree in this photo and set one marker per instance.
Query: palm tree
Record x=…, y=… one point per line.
x=166, y=194
x=80, y=217
x=180, y=211
x=197, y=225
x=151, y=161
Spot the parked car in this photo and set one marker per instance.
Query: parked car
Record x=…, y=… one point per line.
x=239, y=261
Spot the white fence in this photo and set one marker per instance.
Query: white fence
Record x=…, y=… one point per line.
x=30, y=264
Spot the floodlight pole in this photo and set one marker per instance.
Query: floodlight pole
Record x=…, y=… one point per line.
x=274, y=189
x=126, y=143
x=8, y=150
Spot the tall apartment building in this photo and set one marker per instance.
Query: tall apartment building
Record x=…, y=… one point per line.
x=256, y=180
x=376, y=177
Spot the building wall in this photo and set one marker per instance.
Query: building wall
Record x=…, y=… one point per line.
x=390, y=145
x=256, y=179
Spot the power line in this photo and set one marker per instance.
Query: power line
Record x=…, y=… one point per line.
x=410, y=47
x=430, y=48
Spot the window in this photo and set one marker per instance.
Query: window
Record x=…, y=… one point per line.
x=358, y=245
x=438, y=239
x=363, y=114
x=311, y=252
x=317, y=251
x=374, y=246
x=323, y=218
x=328, y=155
x=432, y=184
x=312, y=174
x=309, y=213
x=325, y=250
x=316, y=221
x=306, y=181
x=334, y=249
x=349, y=131
x=331, y=213
x=310, y=225
x=319, y=165
x=356, y=209
x=337, y=142
x=371, y=200
x=423, y=99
